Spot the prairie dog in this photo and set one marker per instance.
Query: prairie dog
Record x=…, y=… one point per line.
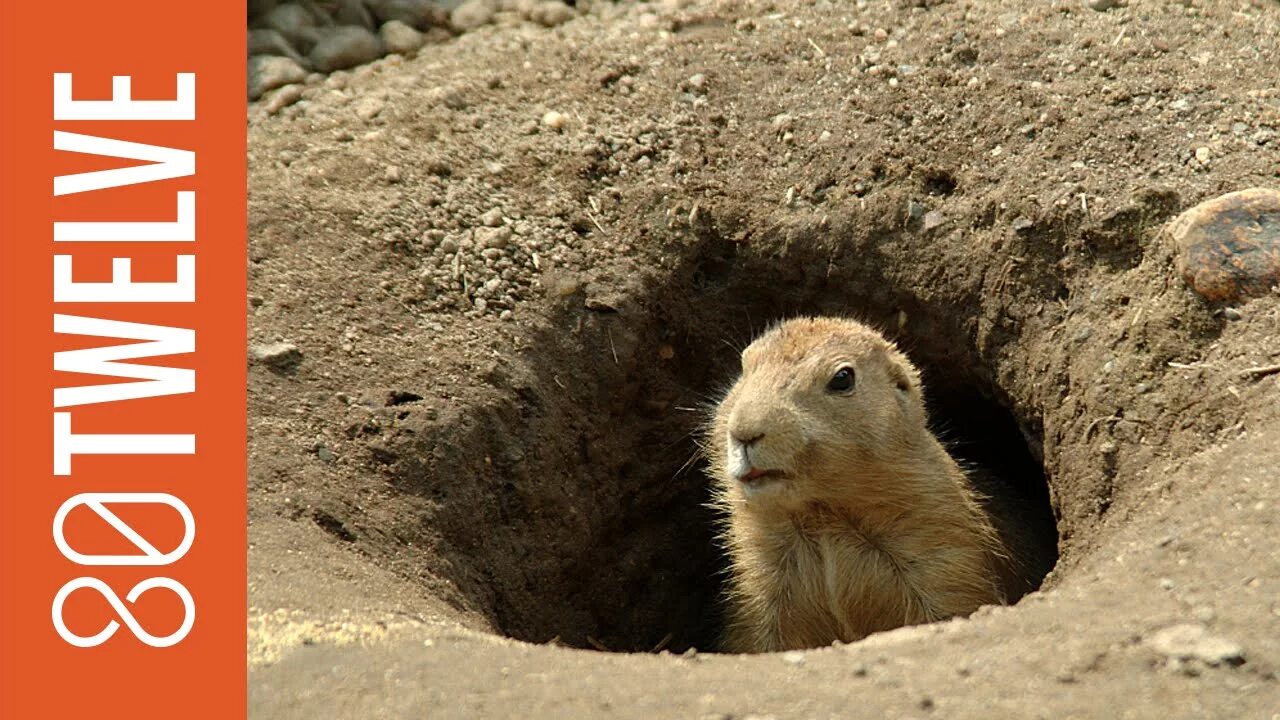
x=844, y=514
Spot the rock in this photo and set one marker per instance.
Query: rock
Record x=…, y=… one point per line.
x=915, y=211
x=296, y=23
x=552, y=13
x=1229, y=247
x=353, y=12
x=933, y=219
x=1190, y=642
x=258, y=8
x=283, y=98
x=398, y=37
x=345, y=46
x=491, y=218
x=472, y=14
x=417, y=14
x=278, y=356
x=1203, y=155
x=1102, y=5
x=793, y=658
x=555, y=120
x=268, y=72
x=265, y=41
x=1022, y=224
x=369, y=107
x=493, y=237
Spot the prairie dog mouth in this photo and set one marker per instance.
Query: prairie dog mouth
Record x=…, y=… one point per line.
x=756, y=480
x=756, y=474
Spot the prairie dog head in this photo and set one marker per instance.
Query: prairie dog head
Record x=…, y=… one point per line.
x=824, y=409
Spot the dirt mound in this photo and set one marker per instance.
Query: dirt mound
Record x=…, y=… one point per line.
x=514, y=270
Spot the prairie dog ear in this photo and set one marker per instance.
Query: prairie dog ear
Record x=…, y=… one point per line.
x=902, y=373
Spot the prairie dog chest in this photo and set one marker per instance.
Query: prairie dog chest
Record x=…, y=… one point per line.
x=844, y=583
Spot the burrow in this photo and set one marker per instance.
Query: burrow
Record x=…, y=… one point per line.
x=570, y=505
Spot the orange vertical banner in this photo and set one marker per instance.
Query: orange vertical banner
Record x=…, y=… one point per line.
x=122, y=383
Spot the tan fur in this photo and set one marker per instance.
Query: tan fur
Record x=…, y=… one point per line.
x=873, y=526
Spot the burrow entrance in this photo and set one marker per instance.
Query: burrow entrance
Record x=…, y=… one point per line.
x=571, y=506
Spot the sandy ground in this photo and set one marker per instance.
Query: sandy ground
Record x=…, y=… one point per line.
x=513, y=268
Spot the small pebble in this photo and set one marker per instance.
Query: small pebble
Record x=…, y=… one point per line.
x=493, y=237
x=284, y=97
x=793, y=658
x=368, y=108
x=1193, y=642
x=278, y=356
x=551, y=13
x=268, y=72
x=555, y=120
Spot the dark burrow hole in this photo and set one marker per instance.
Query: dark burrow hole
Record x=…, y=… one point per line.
x=574, y=509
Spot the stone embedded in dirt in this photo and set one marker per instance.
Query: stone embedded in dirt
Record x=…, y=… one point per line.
x=472, y=14
x=551, y=13
x=555, y=120
x=1022, y=224
x=278, y=356
x=1229, y=247
x=933, y=219
x=493, y=237
x=793, y=658
x=345, y=46
x=398, y=37
x=268, y=72
x=370, y=107
x=283, y=98
x=560, y=284
x=1102, y=5
x=1186, y=642
x=265, y=41
x=491, y=217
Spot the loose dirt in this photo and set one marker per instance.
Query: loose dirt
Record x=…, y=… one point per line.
x=515, y=269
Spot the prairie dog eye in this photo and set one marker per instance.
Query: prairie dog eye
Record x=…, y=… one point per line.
x=842, y=381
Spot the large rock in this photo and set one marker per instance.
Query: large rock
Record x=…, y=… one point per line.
x=1229, y=247
x=265, y=41
x=472, y=14
x=400, y=38
x=354, y=12
x=418, y=14
x=268, y=72
x=345, y=46
x=258, y=8
x=296, y=22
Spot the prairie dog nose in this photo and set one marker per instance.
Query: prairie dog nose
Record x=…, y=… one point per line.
x=747, y=424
